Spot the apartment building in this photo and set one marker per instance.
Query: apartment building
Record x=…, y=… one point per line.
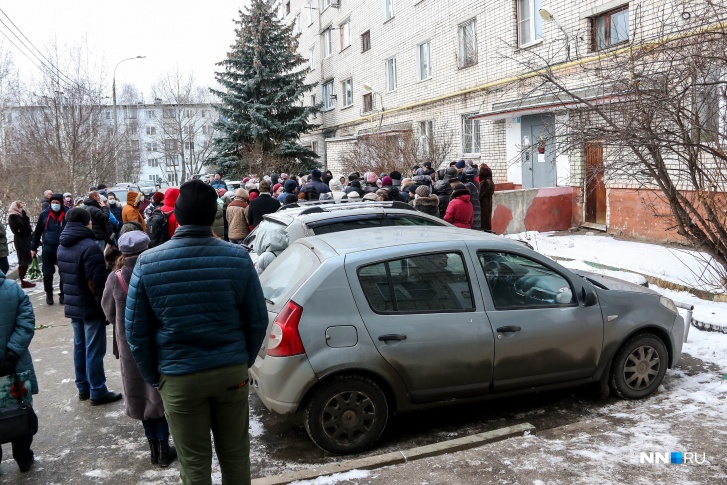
x=459, y=69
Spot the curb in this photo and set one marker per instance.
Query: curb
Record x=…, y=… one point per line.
x=402, y=456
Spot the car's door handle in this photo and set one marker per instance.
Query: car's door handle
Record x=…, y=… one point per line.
x=508, y=328
x=391, y=336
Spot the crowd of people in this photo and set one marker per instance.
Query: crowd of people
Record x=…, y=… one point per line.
x=137, y=268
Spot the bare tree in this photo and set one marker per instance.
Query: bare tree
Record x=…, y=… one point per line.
x=657, y=109
x=400, y=151
x=185, y=131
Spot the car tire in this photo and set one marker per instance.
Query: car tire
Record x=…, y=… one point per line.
x=346, y=415
x=639, y=366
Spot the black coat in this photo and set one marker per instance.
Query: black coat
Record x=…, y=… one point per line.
x=259, y=206
x=20, y=226
x=443, y=191
x=99, y=220
x=487, y=189
x=83, y=272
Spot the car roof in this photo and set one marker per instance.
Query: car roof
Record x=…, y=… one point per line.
x=384, y=237
x=309, y=212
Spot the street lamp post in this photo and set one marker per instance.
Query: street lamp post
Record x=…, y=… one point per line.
x=116, y=118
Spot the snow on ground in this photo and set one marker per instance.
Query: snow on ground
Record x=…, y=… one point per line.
x=676, y=265
x=335, y=478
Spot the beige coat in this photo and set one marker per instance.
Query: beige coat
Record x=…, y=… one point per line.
x=237, y=227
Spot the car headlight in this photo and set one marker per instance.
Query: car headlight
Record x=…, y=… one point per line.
x=668, y=303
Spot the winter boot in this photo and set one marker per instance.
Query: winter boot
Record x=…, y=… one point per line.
x=167, y=453
x=154, y=448
x=21, y=276
x=26, y=284
x=49, y=298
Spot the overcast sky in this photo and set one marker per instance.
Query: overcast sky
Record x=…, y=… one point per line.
x=190, y=34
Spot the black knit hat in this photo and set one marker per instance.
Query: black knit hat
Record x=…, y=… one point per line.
x=58, y=197
x=196, y=204
x=78, y=214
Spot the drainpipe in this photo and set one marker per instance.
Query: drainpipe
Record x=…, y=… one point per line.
x=688, y=319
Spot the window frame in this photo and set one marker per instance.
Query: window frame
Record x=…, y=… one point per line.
x=326, y=93
x=462, y=61
x=388, y=10
x=465, y=119
x=426, y=136
x=366, y=41
x=534, y=22
x=327, y=43
x=424, y=72
x=312, y=58
x=347, y=92
x=309, y=7
x=345, y=34
x=390, y=75
x=606, y=16
x=367, y=101
x=392, y=294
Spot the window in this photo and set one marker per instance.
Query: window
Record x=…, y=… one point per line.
x=170, y=145
x=517, y=282
x=529, y=22
x=325, y=4
x=314, y=146
x=347, y=92
x=345, y=31
x=424, y=56
x=189, y=145
x=391, y=74
x=327, y=91
x=189, y=129
x=312, y=58
x=610, y=28
x=470, y=135
x=287, y=7
x=309, y=8
x=706, y=117
x=133, y=127
x=151, y=147
x=468, y=44
x=150, y=113
x=296, y=25
x=129, y=112
x=203, y=113
x=313, y=100
x=327, y=42
x=153, y=162
x=426, y=137
x=419, y=284
x=108, y=115
x=368, y=102
x=168, y=112
x=388, y=9
x=206, y=130
x=171, y=160
x=366, y=41
x=187, y=113
x=151, y=130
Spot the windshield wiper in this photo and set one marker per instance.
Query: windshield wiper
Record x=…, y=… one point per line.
x=268, y=300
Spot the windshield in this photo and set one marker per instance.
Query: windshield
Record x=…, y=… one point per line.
x=295, y=263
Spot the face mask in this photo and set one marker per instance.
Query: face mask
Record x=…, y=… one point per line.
x=112, y=201
x=55, y=207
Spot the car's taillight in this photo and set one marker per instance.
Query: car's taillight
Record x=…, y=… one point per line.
x=284, y=338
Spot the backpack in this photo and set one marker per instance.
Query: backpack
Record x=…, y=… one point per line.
x=157, y=228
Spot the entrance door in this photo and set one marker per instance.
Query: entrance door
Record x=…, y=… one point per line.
x=595, y=186
x=538, y=151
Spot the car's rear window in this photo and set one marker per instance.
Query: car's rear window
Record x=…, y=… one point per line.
x=347, y=225
x=413, y=220
x=287, y=272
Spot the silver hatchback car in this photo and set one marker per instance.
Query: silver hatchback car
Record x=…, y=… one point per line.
x=368, y=323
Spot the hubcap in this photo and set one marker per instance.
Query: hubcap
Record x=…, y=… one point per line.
x=348, y=416
x=641, y=367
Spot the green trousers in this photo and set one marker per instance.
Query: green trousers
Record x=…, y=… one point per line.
x=214, y=400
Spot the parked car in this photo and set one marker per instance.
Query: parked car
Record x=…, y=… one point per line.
x=395, y=320
x=129, y=185
x=295, y=221
x=120, y=192
x=147, y=187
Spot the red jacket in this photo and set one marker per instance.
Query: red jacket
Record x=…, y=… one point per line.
x=170, y=198
x=459, y=211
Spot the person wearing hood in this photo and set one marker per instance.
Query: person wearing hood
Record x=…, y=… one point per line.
x=68, y=201
x=336, y=189
x=468, y=179
x=17, y=328
x=238, y=229
x=459, y=211
x=19, y=223
x=83, y=272
x=268, y=245
x=130, y=212
x=143, y=402
x=99, y=217
x=289, y=187
x=316, y=186
x=424, y=202
x=443, y=191
x=170, y=198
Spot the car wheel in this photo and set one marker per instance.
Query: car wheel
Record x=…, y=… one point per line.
x=639, y=366
x=347, y=415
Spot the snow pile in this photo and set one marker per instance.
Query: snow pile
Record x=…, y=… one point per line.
x=335, y=478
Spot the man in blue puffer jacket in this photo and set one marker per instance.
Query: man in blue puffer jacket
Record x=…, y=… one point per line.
x=48, y=230
x=83, y=272
x=17, y=327
x=198, y=359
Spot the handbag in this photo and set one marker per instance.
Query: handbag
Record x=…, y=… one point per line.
x=18, y=419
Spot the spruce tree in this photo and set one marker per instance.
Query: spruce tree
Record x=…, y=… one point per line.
x=261, y=109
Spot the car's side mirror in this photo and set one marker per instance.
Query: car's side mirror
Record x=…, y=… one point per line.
x=588, y=297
